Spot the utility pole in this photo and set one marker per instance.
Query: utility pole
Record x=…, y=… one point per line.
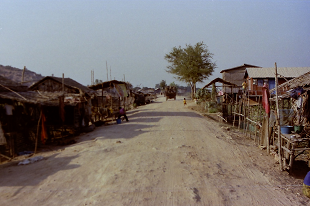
x=23, y=74
x=106, y=65
x=63, y=83
x=278, y=118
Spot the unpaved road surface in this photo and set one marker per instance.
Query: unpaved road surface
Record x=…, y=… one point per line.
x=166, y=154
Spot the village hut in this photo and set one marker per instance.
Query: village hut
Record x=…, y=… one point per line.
x=139, y=98
x=19, y=115
x=296, y=91
x=110, y=96
x=235, y=75
x=225, y=85
x=149, y=94
x=224, y=99
x=72, y=112
x=257, y=77
x=293, y=136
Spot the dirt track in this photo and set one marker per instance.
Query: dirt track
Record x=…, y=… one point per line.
x=166, y=154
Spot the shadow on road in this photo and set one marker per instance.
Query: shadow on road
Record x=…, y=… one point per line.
x=165, y=114
x=36, y=172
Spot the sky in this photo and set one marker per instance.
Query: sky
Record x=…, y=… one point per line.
x=128, y=39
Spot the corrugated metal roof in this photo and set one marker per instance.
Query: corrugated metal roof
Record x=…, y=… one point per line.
x=239, y=67
x=269, y=72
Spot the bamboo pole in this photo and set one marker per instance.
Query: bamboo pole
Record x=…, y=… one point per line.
x=13, y=91
x=268, y=141
x=23, y=74
x=235, y=106
x=63, y=83
x=239, y=119
x=278, y=119
x=9, y=158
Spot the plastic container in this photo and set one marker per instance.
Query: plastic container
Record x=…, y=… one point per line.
x=286, y=129
x=298, y=129
x=118, y=121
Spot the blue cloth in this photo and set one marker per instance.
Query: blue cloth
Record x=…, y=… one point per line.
x=307, y=179
x=25, y=152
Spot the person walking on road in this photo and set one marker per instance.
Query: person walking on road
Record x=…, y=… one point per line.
x=122, y=112
x=184, y=101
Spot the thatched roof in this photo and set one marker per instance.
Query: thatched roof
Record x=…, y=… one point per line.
x=44, y=98
x=68, y=82
x=7, y=85
x=301, y=81
x=107, y=84
x=221, y=81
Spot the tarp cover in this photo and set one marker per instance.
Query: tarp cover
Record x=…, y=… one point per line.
x=121, y=90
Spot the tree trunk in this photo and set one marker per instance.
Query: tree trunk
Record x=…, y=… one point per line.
x=193, y=89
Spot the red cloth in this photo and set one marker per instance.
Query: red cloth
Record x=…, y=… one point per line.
x=43, y=129
x=265, y=99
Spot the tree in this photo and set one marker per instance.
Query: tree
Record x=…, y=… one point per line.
x=203, y=94
x=162, y=85
x=191, y=64
x=172, y=84
x=213, y=92
x=97, y=81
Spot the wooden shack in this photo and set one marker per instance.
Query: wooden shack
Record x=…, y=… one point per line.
x=256, y=77
x=72, y=113
x=293, y=96
x=235, y=75
x=19, y=115
x=109, y=97
x=227, y=99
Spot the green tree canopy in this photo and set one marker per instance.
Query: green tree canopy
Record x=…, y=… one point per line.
x=172, y=84
x=191, y=64
x=162, y=84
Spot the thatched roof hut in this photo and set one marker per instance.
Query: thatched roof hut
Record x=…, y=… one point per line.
x=8, y=85
x=301, y=81
x=220, y=81
x=54, y=84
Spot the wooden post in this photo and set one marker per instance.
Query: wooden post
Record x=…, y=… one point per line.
x=255, y=137
x=292, y=156
x=239, y=111
x=235, y=106
x=23, y=74
x=278, y=119
x=63, y=83
x=106, y=64
x=268, y=141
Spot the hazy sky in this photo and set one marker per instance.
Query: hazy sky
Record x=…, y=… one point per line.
x=76, y=36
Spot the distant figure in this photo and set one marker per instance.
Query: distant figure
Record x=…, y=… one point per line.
x=184, y=101
x=244, y=85
x=122, y=112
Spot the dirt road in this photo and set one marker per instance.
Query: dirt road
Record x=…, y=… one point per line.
x=166, y=154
